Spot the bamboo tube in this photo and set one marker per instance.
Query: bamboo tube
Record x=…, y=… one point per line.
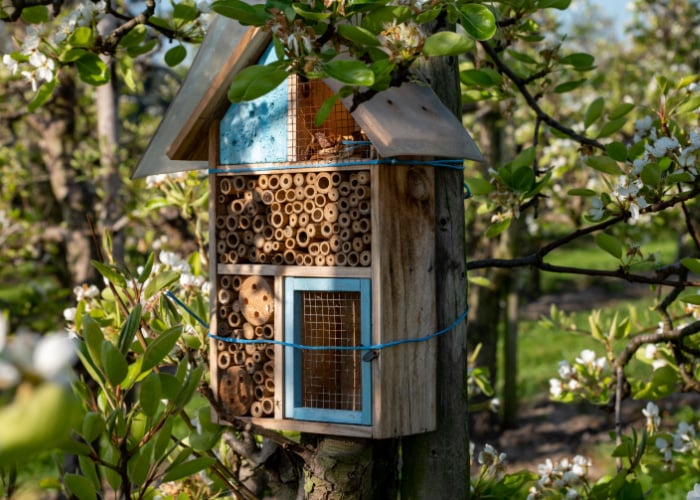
x=290, y=243
x=234, y=319
x=250, y=366
x=220, y=345
x=276, y=246
x=364, y=207
x=353, y=259
x=268, y=232
x=259, y=390
x=267, y=247
x=330, y=212
x=323, y=182
x=365, y=258
x=259, y=377
x=289, y=257
x=248, y=331
x=267, y=197
x=248, y=195
x=225, y=185
x=258, y=331
x=286, y=181
x=357, y=244
x=354, y=213
x=344, y=219
x=367, y=238
x=302, y=238
x=336, y=179
x=258, y=223
x=303, y=219
x=317, y=215
x=250, y=185
x=256, y=300
x=238, y=183
x=276, y=207
x=225, y=281
x=345, y=234
x=363, y=177
x=308, y=260
x=236, y=306
x=362, y=192
x=236, y=207
x=293, y=220
x=297, y=207
x=277, y=259
x=288, y=208
x=346, y=247
x=343, y=205
x=288, y=232
x=231, y=222
x=290, y=195
x=221, y=235
x=278, y=219
x=326, y=228
x=353, y=200
x=273, y=182
x=232, y=349
x=221, y=222
x=299, y=193
x=249, y=349
x=298, y=179
x=361, y=226
x=268, y=406
x=270, y=384
x=222, y=311
x=314, y=249
x=344, y=189
x=353, y=180
x=223, y=296
x=319, y=200
x=238, y=334
x=224, y=258
x=248, y=237
x=320, y=260
x=221, y=199
x=236, y=282
x=268, y=332
x=257, y=194
x=324, y=248
x=264, y=181
x=281, y=195
x=299, y=259
x=333, y=194
x=270, y=351
x=221, y=247
x=232, y=240
x=238, y=358
x=251, y=209
x=309, y=206
x=334, y=243
x=314, y=231
x=279, y=234
x=330, y=260
x=258, y=356
x=256, y=409
x=311, y=177
x=244, y=222
x=223, y=360
x=309, y=191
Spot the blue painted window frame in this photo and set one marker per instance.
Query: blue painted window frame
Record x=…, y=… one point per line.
x=292, y=327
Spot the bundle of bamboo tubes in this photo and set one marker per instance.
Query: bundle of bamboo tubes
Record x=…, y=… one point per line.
x=246, y=370
x=303, y=219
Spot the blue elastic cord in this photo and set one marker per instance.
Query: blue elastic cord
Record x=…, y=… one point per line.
x=374, y=347
x=454, y=164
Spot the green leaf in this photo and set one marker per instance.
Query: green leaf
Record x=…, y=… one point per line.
x=478, y=21
x=617, y=151
x=184, y=12
x=160, y=347
x=485, y=77
x=149, y=394
x=611, y=127
x=478, y=186
x=691, y=298
x=357, y=35
x=497, y=228
x=88, y=468
x=581, y=192
x=162, y=439
x=134, y=37
x=480, y=281
x=580, y=61
x=139, y=465
x=350, y=72
x=80, y=486
x=82, y=37
x=43, y=94
x=554, y=4
x=137, y=50
x=604, y=164
x=128, y=331
x=521, y=56
x=169, y=385
x=522, y=180
x=147, y=268
x=160, y=282
x=610, y=244
x=92, y=334
x=71, y=54
x=620, y=111
x=185, y=395
x=325, y=110
x=111, y=273
x=691, y=264
x=447, y=43
x=569, y=86
x=92, y=70
x=114, y=363
x=241, y=11
x=93, y=425
x=594, y=111
x=255, y=81
x=175, y=56
x=689, y=105
x=312, y=15
x=35, y=15
x=651, y=175
x=188, y=468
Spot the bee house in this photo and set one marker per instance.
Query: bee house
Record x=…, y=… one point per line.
x=322, y=245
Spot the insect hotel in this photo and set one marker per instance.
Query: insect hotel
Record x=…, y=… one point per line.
x=322, y=246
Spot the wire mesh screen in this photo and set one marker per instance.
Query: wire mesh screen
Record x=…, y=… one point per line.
x=338, y=138
x=331, y=379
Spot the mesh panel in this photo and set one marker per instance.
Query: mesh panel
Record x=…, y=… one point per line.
x=334, y=140
x=331, y=379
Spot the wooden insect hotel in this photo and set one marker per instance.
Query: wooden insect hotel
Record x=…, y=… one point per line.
x=321, y=244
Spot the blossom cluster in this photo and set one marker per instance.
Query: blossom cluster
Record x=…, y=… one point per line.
x=565, y=477
x=584, y=379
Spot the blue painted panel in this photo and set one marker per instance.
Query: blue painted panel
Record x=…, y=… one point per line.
x=256, y=131
x=292, y=328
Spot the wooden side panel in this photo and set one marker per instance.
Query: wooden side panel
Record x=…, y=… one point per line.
x=213, y=145
x=403, y=296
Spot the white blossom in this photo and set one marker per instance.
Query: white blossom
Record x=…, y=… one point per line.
x=11, y=63
x=565, y=370
x=651, y=412
x=597, y=210
x=69, y=314
x=586, y=358
x=664, y=447
x=555, y=388
x=662, y=146
x=694, y=494
x=86, y=292
x=53, y=357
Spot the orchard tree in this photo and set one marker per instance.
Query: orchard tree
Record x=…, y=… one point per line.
x=641, y=162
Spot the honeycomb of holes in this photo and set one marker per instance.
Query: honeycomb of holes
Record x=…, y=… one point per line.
x=246, y=383
x=303, y=219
